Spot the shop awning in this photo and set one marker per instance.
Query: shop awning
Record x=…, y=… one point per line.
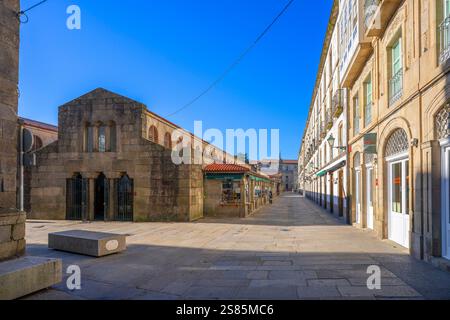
x=332, y=169
x=322, y=173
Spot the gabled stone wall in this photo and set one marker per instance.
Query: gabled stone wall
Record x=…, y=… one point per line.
x=163, y=191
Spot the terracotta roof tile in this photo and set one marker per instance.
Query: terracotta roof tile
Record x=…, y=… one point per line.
x=228, y=168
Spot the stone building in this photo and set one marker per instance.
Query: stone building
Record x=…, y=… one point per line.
x=108, y=164
x=112, y=160
x=235, y=190
x=43, y=134
x=400, y=93
x=289, y=174
x=12, y=222
x=19, y=276
x=323, y=158
x=394, y=64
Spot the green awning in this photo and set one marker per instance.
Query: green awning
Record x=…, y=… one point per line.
x=322, y=173
x=224, y=176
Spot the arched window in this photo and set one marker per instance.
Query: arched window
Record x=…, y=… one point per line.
x=89, y=138
x=37, y=144
x=168, y=140
x=102, y=138
x=153, y=134
x=112, y=137
x=442, y=123
x=357, y=160
x=397, y=143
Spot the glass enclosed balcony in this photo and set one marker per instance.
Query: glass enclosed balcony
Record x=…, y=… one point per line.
x=444, y=34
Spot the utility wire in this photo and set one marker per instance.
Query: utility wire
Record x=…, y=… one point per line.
x=236, y=62
x=23, y=13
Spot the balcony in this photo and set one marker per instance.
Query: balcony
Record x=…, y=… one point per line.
x=328, y=120
x=338, y=103
x=396, y=87
x=378, y=13
x=444, y=36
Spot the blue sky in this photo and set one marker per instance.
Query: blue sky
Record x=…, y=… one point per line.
x=165, y=52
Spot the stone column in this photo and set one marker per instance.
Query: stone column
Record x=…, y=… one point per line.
x=12, y=222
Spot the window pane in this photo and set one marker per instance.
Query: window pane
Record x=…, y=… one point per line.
x=102, y=139
x=90, y=139
x=112, y=140
x=397, y=187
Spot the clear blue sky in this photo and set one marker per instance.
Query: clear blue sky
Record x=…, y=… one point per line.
x=165, y=52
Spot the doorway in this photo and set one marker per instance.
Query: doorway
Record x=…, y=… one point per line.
x=370, y=198
x=341, y=193
x=358, y=195
x=445, y=196
x=398, y=200
x=125, y=198
x=76, y=198
x=101, y=197
x=331, y=192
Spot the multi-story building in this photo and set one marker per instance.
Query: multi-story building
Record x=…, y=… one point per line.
x=394, y=60
x=289, y=175
x=323, y=160
x=400, y=109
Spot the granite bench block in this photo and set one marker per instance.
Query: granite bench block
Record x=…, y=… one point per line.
x=23, y=276
x=95, y=244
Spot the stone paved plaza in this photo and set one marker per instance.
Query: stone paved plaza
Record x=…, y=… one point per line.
x=290, y=250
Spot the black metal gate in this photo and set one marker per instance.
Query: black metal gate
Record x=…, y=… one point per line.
x=124, y=199
x=101, y=201
x=76, y=196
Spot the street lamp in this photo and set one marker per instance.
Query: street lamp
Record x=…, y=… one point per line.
x=331, y=140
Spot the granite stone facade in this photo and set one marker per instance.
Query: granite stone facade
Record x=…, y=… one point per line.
x=12, y=223
x=102, y=138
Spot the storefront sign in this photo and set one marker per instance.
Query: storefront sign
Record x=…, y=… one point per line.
x=370, y=143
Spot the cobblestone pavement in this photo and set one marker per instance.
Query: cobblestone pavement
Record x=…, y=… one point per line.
x=290, y=250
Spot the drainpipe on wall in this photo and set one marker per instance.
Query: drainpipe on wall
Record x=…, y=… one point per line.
x=21, y=179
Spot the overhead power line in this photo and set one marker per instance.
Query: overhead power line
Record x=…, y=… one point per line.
x=22, y=15
x=236, y=62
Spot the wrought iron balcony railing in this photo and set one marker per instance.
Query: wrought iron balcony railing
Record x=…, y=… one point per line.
x=396, y=87
x=444, y=34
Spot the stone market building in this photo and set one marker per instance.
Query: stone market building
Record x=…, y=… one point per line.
x=235, y=190
x=112, y=161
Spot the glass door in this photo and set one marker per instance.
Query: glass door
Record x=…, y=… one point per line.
x=358, y=195
x=370, y=198
x=445, y=195
x=399, y=202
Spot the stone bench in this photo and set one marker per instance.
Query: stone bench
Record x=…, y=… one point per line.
x=95, y=244
x=23, y=276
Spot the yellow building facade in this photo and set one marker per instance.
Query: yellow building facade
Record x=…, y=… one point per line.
x=398, y=125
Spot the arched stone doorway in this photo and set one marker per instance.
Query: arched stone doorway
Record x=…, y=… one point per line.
x=125, y=199
x=101, y=198
x=442, y=133
x=398, y=193
x=76, y=197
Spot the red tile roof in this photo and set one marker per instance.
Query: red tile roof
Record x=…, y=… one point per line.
x=38, y=124
x=289, y=161
x=226, y=168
